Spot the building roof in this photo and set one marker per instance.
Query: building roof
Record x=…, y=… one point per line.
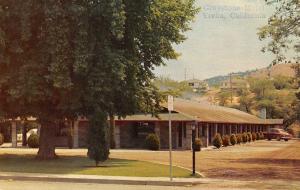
x=161, y=117
x=203, y=112
x=217, y=114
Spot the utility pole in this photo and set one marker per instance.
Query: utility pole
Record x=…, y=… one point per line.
x=193, y=147
x=170, y=109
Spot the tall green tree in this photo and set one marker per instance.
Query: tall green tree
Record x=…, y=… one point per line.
x=62, y=59
x=262, y=88
x=246, y=101
x=283, y=31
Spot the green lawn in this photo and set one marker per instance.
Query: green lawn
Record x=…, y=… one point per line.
x=82, y=165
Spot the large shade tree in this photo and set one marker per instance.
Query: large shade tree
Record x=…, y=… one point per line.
x=61, y=59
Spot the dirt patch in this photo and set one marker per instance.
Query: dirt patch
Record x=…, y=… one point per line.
x=261, y=160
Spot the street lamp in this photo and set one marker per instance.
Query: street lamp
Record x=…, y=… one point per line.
x=193, y=147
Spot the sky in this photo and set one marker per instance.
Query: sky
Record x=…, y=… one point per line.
x=223, y=39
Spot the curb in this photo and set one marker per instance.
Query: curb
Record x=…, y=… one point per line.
x=99, y=180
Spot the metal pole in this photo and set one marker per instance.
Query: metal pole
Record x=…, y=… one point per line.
x=170, y=145
x=193, y=147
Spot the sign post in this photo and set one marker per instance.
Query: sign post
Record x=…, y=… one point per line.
x=170, y=109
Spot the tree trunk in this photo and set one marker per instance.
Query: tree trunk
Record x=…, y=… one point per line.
x=47, y=141
x=112, y=131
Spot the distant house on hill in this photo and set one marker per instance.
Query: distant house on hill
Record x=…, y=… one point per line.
x=198, y=85
x=235, y=84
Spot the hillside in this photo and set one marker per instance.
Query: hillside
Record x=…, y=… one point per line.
x=215, y=81
x=279, y=69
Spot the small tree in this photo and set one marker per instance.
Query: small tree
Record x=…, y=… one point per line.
x=226, y=140
x=152, y=142
x=257, y=136
x=249, y=137
x=233, y=139
x=239, y=139
x=198, y=144
x=98, y=139
x=217, y=141
x=33, y=141
x=262, y=136
x=245, y=138
x=254, y=137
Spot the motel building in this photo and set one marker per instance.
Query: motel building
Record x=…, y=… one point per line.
x=130, y=132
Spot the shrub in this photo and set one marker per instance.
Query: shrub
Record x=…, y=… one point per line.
x=249, y=137
x=233, y=139
x=217, y=141
x=239, y=138
x=33, y=141
x=152, y=142
x=1, y=139
x=261, y=136
x=258, y=136
x=98, y=138
x=225, y=140
x=198, y=144
x=244, y=137
x=253, y=136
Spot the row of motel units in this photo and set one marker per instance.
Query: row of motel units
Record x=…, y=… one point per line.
x=130, y=132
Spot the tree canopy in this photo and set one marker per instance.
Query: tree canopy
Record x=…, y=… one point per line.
x=61, y=59
x=283, y=30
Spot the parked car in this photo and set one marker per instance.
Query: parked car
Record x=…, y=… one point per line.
x=277, y=134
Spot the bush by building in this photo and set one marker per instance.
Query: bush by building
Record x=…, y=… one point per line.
x=198, y=144
x=233, y=139
x=217, y=141
x=1, y=139
x=249, y=137
x=244, y=137
x=152, y=142
x=261, y=136
x=258, y=136
x=239, y=138
x=33, y=141
x=253, y=136
x=225, y=140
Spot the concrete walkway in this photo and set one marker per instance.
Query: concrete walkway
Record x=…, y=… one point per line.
x=154, y=181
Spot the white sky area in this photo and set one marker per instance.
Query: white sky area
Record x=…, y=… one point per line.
x=223, y=39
